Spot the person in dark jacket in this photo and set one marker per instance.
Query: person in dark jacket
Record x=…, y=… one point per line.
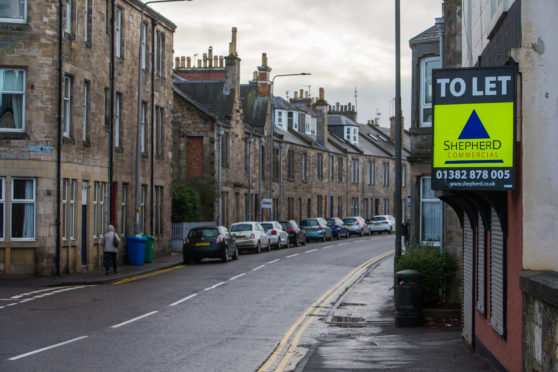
x=406, y=232
x=110, y=249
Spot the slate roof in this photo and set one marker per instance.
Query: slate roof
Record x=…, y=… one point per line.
x=430, y=35
x=333, y=120
x=210, y=95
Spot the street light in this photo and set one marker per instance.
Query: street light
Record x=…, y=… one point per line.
x=273, y=131
x=138, y=136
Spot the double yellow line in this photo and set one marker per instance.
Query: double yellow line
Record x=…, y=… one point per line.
x=310, y=314
x=137, y=277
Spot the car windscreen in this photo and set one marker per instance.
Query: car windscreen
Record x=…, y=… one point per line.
x=241, y=227
x=203, y=233
x=378, y=219
x=330, y=222
x=349, y=220
x=286, y=225
x=309, y=223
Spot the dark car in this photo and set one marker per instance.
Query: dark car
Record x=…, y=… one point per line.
x=296, y=234
x=209, y=242
x=338, y=228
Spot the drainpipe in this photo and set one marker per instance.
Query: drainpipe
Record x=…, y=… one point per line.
x=281, y=145
x=59, y=137
x=261, y=177
x=220, y=210
x=111, y=113
x=153, y=24
x=250, y=141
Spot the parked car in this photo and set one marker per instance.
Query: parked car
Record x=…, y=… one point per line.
x=209, y=242
x=357, y=225
x=296, y=234
x=338, y=228
x=316, y=228
x=277, y=236
x=382, y=223
x=250, y=235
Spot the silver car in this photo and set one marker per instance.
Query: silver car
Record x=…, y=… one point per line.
x=357, y=225
x=277, y=236
x=250, y=235
x=382, y=223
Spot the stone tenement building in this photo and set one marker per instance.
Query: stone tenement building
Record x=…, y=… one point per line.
x=324, y=163
x=63, y=177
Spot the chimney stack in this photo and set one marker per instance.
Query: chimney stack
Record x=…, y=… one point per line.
x=232, y=68
x=210, y=56
x=177, y=62
x=295, y=95
x=322, y=95
x=264, y=82
x=188, y=62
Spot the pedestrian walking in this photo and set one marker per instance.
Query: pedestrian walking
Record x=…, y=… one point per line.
x=111, y=241
x=406, y=232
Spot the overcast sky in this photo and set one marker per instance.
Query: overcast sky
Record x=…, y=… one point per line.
x=344, y=44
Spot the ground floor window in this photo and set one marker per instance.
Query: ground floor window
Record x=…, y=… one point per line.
x=23, y=208
x=430, y=214
x=123, y=206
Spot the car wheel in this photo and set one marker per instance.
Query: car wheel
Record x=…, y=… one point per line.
x=259, y=247
x=288, y=245
x=339, y=236
x=323, y=238
x=361, y=233
x=235, y=254
x=347, y=235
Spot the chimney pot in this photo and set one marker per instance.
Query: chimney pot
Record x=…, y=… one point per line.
x=199, y=63
x=215, y=61
x=306, y=94
x=301, y=93
x=188, y=62
x=205, y=60
x=232, y=48
x=337, y=106
x=221, y=59
x=264, y=59
x=177, y=62
x=295, y=95
x=322, y=94
x=255, y=76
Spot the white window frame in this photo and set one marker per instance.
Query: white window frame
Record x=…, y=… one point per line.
x=22, y=18
x=86, y=35
x=68, y=16
x=102, y=207
x=313, y=126
x=95, y=209
x=14, y=91
x=142, y=126
x=424, y=200
x=426, y=83
x=65, y=209
x=142, y=207
x=143, y=46
x=67, y=106
x=3, y=208
x=307, y=119
x=295, y=121
x=279, y=119
x=72, y=209
x=85, y=119
x=355, y=136
x=31, y=201
x=118, y=38
x=123, y=207
x=348, y=133
x=116, y=127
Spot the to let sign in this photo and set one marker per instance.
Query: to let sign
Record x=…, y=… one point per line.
x=473, y=128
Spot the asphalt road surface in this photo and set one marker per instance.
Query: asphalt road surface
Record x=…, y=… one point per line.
x=203, y=317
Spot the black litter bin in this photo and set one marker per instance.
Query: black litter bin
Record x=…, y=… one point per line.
x=408, y=299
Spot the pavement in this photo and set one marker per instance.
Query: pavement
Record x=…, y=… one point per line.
x=358, y=334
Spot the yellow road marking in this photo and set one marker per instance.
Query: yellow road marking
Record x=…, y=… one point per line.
x=148, y=274
x=316, y=307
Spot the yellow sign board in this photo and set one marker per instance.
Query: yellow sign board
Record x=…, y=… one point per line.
x=473, y=145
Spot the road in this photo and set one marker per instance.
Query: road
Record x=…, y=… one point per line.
x=204, y=317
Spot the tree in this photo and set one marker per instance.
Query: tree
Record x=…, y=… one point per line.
x=186, y=205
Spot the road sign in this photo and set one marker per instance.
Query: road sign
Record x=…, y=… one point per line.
x=473, y=129
x=267, y=203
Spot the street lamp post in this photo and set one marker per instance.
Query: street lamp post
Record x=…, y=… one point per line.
x=139, y=113
x=397, y=132
x=272, y=133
